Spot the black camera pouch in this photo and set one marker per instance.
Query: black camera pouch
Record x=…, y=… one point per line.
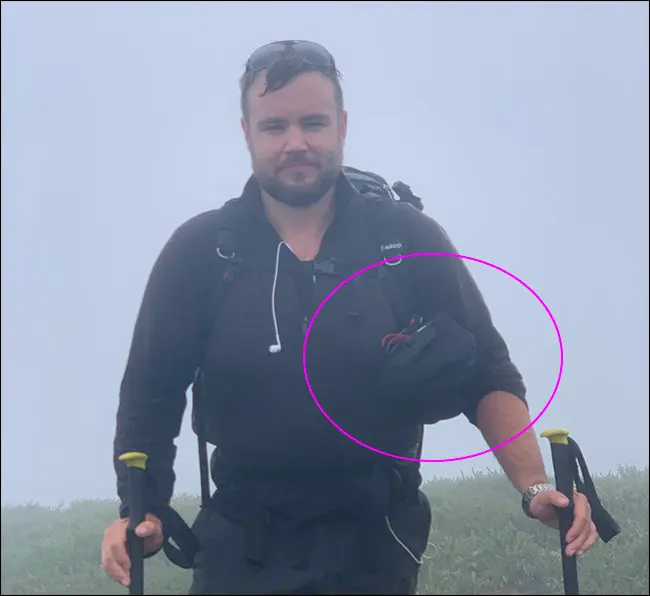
x=425, y=369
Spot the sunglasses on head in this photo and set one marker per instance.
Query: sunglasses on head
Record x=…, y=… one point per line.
x=309, y=51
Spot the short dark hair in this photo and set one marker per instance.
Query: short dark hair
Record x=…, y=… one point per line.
x=283, y=72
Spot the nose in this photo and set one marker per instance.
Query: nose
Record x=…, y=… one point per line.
x=295, y=139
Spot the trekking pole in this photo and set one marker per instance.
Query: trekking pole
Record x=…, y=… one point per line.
x=136, y=465
x=567, y=456
x=563, y=466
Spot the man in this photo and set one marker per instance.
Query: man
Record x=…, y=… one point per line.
x=299, y=507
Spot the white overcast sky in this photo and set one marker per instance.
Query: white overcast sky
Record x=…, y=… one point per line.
x=524, y=127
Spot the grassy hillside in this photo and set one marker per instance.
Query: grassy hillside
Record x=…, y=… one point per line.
x=480, y=544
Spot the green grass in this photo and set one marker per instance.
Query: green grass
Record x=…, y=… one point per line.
x=480, y=543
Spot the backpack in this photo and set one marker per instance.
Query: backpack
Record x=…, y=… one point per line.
x=373, y=186
x=386, y=230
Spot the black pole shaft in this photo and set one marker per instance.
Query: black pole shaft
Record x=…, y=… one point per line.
x=204, y=471
x=135, y=544
x=563, y=469
x=199, y=427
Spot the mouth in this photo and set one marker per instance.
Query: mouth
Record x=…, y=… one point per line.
x=299, y=166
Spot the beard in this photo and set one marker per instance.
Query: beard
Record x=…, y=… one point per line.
x=301, y=194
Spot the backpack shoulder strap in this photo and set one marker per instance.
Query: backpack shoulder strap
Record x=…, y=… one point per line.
x=228, y=262
x=386, y=224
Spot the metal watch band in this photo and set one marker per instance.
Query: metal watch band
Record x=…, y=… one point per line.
x=530, y=492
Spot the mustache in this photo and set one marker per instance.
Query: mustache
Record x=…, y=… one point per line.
x=298, y=160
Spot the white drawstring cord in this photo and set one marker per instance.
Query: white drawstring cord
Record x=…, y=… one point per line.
x=277, y=347
x=406, y=548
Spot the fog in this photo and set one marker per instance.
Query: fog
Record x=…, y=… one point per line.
x=523, y=126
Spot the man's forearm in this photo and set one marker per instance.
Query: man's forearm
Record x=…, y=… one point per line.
x=501, y=416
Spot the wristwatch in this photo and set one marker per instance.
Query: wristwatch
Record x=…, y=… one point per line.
x=530, y=492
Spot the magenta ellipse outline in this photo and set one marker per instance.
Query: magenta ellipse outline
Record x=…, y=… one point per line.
x=433, y=254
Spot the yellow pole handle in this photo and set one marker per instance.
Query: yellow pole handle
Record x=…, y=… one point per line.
x=556, y=435
x=135, y=459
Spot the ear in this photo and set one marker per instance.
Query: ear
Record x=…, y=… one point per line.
x=246, y=130
x=343, y=124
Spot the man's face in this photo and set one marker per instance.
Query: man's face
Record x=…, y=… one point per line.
x=295, y=136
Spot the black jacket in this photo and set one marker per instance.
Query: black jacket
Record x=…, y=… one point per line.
x=261, y=413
